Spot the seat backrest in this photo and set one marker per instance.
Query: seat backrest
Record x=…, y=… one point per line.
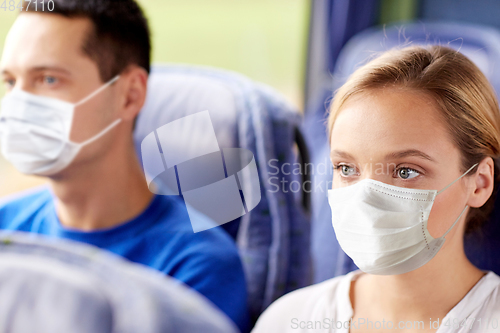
x=273, y=238
x=57, y=286
x=482, y=45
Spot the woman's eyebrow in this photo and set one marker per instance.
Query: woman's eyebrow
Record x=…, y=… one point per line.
x=342, y=154
x=409, y=152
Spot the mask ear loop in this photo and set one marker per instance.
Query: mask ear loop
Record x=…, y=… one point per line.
x=109, y=127
x=447, y=231
x=98, y=90
x=453, y=182
x=104, y=131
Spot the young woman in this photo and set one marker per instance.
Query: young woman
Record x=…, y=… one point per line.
x=414, y=138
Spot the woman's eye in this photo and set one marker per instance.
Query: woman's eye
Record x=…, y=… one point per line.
x=347, y=171
x=407, y=173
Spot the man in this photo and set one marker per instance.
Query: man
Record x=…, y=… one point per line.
x=76, y=79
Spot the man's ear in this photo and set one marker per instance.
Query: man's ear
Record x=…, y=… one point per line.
x=135, y=83
x=482, y=183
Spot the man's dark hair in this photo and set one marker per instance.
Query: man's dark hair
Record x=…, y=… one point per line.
x=120, y=35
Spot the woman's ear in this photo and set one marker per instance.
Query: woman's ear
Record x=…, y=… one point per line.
x=481, y=183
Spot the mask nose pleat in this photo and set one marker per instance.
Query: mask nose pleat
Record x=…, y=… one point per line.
x=396, y=195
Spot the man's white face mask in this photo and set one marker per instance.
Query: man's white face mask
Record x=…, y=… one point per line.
x=383, y=228
x=35, y=131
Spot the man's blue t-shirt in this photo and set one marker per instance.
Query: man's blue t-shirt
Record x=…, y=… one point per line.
x=161, y=237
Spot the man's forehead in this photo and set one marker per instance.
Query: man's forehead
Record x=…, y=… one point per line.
x=37, y=39
x=51, y=27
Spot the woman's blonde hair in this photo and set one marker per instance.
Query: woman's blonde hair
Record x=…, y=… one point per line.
x=465, y=99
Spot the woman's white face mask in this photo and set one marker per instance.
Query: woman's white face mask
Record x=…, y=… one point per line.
x=35, y=131
x=383, y=228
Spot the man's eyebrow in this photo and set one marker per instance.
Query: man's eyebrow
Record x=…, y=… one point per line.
x=49, y=68
x=409, y=152
x=342, y=154
x=41, y=69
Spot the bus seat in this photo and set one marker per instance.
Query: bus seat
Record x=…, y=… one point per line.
x=273, y=238
x=482, y=45
x=58, y=286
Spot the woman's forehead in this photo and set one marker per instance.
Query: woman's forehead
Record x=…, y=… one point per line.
x=388, y=121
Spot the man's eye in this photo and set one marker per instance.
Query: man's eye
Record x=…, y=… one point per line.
x=49, y=80
x=10, y=83
x=407, y=173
